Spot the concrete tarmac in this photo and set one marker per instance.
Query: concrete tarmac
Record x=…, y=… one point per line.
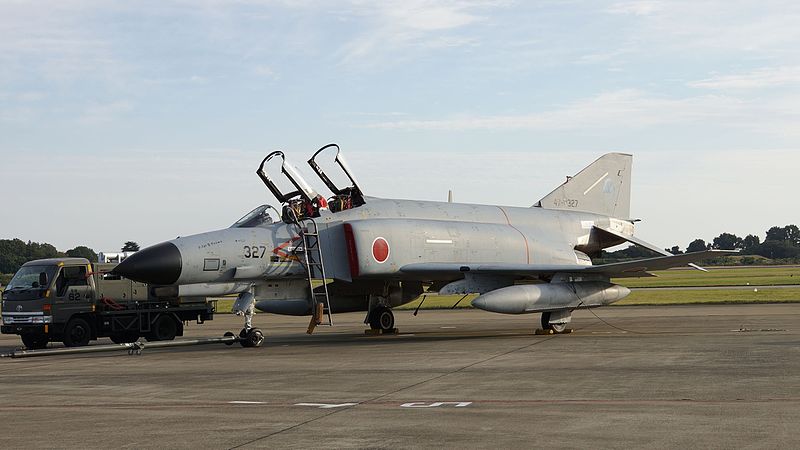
x=716, y=376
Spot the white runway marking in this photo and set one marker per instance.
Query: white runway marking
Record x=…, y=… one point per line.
x=245, y=402
x=434, y=404
x=326, y=405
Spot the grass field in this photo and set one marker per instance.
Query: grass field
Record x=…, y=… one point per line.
x=754, y=276
x=645, y=297
x=677, y=297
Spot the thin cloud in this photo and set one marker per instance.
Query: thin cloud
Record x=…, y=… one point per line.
x=396, y=25
x=637, y=8
x=99, y=113
x=623, y=108
x=761, y=78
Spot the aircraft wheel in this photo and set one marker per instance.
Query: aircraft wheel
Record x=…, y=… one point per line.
x=35, y=341
x=252, y=338
x=382, y=318
x=77, y=333
x=556, y=327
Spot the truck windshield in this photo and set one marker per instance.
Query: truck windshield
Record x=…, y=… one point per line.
x=256, y=217
x=28, y=277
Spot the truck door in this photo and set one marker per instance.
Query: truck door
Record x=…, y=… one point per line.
x=73, y=292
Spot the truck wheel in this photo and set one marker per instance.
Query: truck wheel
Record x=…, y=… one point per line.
x=77, y=333
x=165, y=329
x=35, y=341
x=124, y=338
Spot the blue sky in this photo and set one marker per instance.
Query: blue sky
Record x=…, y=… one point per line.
x=145, y=120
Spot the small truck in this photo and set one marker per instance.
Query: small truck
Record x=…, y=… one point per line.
x=74, y=301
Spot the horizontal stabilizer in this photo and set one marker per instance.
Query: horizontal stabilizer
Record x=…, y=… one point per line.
x=634, y=240
x=641, y=243
x=633, y=268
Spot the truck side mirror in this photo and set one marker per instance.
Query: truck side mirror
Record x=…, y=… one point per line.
x=42, y=279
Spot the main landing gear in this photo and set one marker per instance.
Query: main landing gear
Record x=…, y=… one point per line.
x=556, y=322
x=245, y=306
x=381, y=319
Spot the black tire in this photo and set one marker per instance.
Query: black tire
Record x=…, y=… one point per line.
x=545, y=320
x=382, y=318
x=228, y=334
x=556, y=327
x=77, y=333
x=253, y=338
x=124, y=337
x=165, y=328
x=35, y=341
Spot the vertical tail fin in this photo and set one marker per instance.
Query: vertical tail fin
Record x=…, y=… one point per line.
x=603, y=187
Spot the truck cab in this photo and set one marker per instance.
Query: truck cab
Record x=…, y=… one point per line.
x=42, y=293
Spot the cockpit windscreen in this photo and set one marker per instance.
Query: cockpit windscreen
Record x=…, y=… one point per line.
x=257, y=217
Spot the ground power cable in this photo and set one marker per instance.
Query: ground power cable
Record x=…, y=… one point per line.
x=580, y=302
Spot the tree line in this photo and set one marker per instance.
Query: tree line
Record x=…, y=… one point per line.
x=780, y=243
x=15, y=252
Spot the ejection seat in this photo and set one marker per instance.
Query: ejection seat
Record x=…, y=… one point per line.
x=343, y=198
x=302, y=203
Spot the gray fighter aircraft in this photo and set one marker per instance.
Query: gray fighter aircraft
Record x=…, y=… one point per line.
x=351, y=252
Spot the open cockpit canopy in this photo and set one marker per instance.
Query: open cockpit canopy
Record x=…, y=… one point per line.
x=301, y=201
x=303, y=189
x=257, y=217
x=346, y=192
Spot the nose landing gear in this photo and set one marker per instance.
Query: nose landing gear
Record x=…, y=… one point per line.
x=251, y=337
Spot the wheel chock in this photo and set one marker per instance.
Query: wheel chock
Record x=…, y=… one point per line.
x=316, y=318
x=311, y=325
x=371, y=332
x=549, y=331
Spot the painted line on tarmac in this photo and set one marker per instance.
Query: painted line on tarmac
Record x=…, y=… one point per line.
x=410, y=405
x=326, y=405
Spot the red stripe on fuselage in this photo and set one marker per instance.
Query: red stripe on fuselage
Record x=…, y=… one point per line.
x=352, y=254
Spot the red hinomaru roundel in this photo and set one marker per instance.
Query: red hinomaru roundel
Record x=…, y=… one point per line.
x=380, y=249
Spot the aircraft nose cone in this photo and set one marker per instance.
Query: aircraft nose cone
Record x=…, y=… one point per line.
x=159, y=264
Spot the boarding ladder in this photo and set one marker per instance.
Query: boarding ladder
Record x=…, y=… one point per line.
x=315, y=267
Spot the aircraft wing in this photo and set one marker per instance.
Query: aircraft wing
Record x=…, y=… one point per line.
x=638, y=268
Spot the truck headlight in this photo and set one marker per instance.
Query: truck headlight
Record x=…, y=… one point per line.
x=42, y=319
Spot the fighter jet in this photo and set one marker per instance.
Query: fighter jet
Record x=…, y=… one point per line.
x=319, y=256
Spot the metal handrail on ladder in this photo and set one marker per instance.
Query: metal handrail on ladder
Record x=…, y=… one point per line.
x=314, y=264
